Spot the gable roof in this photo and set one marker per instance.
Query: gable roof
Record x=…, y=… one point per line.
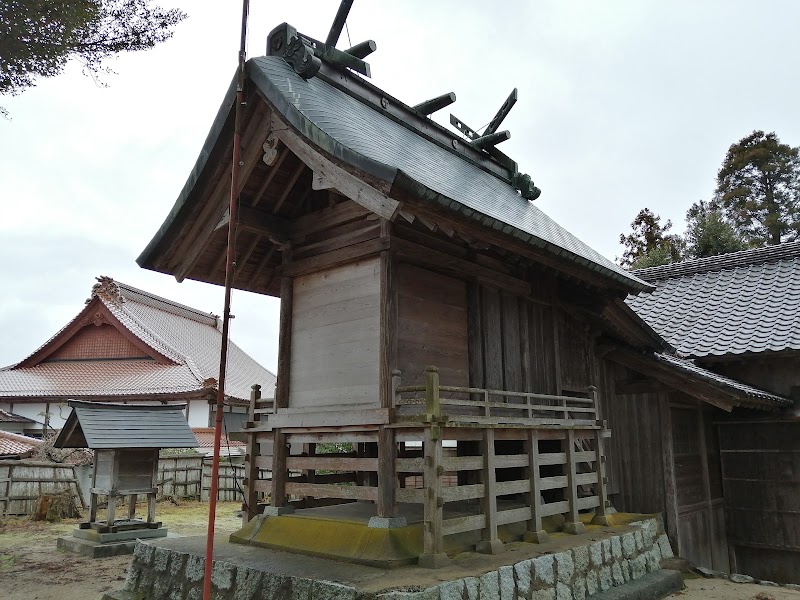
x=740, y=303
x=183, y=345
x=371, y=140
x=101, y=425
x=15, y=444
x=9, y=417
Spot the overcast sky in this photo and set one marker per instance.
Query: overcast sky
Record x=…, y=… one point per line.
x=622, y=105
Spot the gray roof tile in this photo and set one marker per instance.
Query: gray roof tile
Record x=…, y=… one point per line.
x=743, y=302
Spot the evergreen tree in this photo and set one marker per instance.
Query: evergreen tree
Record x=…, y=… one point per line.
x=758, y=186
x=39, y=37
x=649, y=245
x=708, y=232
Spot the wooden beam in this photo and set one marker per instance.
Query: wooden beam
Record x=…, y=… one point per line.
x=289, y=186
x=335, y=258
x=285, y=337
x=452, y=265
x=215, y=204
x=274, y=227
x=668, y=465
x=349, y=185
x=673, y=378
x=270, y=176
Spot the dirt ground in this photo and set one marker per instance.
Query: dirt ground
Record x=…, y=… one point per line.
x=31, y=568
x=720, y=589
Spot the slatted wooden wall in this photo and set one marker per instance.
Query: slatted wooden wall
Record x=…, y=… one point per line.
x=431, y=326
x=335, y=337
x=512, y=342
x=761, y=480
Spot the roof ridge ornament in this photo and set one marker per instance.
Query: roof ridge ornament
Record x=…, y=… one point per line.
x=107, y=289
x=305, y=54
x=491, y=138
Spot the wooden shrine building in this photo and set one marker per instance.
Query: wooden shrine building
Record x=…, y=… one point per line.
x=126, y=439
x=444, y=345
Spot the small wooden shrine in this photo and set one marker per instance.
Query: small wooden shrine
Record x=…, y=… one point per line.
x=126, y=439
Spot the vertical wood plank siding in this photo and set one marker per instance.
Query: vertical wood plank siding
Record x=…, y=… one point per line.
x=335, y=336
x=432, y=325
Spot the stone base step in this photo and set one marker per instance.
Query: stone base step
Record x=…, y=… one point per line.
x=652, y=586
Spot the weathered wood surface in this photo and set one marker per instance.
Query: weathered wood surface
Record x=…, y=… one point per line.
x=23, y=481
x=335, y=337
x=431, y=325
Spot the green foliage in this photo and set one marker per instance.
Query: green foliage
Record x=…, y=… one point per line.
x=649, y=245
x=334, y=448
x=709, y=233
x=39, y=37
x=758, y=187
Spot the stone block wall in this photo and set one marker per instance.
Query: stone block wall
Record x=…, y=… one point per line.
x=572, y=574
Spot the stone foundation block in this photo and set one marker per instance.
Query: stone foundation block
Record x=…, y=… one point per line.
x=507, y=585
x=329, y=590
x=489, y=586
x=580, y=556
x=579, y=588
x=472, y=587
x=565, y=567
x=522, y=575
x=449, y=590
x=543, y=571
x=596, y=554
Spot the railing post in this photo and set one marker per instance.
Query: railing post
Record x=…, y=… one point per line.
x=251, y=471
x=396, y=382
x=490, y=544
x=536, y=533
x=601, y=516
x=432, y=402
x=573, y=523
x=433, y=555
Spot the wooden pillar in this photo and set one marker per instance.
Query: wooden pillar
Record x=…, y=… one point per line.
x=279, y=450
x=285, y=337
x=151, y=498
x=573, y=523
x=387, y=478
x=601, y=515
x=388, y=321
x=251, y=470
x=279, y=471
x=668, y=462
x=112, y=507
x=536, y=533
x=490, y=544
x=433, y=555
x=131, y=507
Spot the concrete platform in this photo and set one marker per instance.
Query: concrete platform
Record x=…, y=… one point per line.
x=88, y=542
x=567, y=566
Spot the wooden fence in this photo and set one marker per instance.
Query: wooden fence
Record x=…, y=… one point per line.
x=189, y=477
x=23, y=481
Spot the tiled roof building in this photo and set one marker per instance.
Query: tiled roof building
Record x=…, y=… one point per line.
x=130, y=345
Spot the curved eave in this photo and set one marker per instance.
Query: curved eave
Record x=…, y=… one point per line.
x=359, y=165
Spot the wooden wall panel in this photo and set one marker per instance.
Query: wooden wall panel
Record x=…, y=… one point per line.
x=635, y=423
x=335, y=337
x=541, y=332
x=576, y=348
x=97, y=342
x=761, y=482
x=431, y=326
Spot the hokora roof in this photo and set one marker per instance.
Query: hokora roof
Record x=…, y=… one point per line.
x=739, y=303
x=355, y=132
x=101, y=425
x=179, y=345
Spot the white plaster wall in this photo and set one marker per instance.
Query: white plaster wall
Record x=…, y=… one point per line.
x=197, y=413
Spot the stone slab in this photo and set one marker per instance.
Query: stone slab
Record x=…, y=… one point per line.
x=94, y=549
x=120, y=536
x=652, y=586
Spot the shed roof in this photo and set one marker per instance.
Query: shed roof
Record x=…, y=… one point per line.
x=366, y=139
x=180, y=344
x=102, y=425
x=739, y=303
x=15, y=444
x=9, y=417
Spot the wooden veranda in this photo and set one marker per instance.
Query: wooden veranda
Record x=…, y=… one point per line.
x=527, y=456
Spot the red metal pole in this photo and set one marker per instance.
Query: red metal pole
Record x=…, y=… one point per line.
x=226, y=314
